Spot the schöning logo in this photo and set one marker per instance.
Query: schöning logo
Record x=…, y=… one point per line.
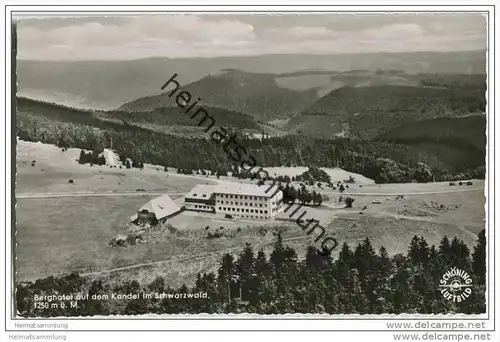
x=456, y=285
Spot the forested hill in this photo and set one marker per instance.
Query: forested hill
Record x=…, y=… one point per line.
x=468, y=132
x=366, y=112
x=256, y=94
x=161, y=118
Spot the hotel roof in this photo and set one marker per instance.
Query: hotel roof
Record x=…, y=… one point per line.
x=246, y=189
x=201, y=191
x=162, y=206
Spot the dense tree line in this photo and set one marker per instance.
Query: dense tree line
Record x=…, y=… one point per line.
x=382, y=161
x=301, y=195
x=91, y=158
x=313, y=174
x=362, y=280
x=453, y=81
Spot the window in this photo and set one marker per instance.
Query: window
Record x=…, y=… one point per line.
x=251, y=210
x=247, y=210
x=246, y=197
x=265, y=211
x=194, y=195
x=261, y=205
x=251, y=204
x=238, y=209
x=260, y=211
x=220, y=208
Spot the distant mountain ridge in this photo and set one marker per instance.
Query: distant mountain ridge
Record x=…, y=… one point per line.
x=366, y=112
x=109, y=84
x=249, y=93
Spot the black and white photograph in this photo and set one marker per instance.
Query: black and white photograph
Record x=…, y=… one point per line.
x=254, y=164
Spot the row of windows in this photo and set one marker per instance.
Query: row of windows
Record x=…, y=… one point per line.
x=253, y=217
x=256, y=216
x=243, y=210
x=241, y=203
x=243, y=197
x=202, y=207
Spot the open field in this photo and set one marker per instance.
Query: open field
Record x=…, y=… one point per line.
x=336, y=174
x=54, y=168
x=64, y=234
x=413, y=187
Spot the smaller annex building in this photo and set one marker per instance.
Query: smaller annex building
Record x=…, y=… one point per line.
x=201, y=198
x=156, y=210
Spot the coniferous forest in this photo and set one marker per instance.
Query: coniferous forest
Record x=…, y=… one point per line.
x=359, y=281
x=382, y=161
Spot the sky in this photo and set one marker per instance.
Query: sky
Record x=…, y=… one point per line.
x=213, y=35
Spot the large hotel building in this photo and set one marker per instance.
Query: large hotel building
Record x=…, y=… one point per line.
x=240, y=200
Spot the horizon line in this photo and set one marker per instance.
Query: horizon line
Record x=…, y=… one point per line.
x=485, y=50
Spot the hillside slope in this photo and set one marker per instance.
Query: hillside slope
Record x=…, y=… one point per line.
x=163, y=119
x=468, y=131
x=366, y=112
x=255, y=94
x=455, y=140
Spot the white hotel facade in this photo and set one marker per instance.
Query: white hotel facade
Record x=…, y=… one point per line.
x=240, y=200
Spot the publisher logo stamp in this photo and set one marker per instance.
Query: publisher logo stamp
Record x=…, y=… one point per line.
x=456, y=285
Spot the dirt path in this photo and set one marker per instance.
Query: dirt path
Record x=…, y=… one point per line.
x=191, y=258
x=428, y=219
x=382, y=194
x=97, y=194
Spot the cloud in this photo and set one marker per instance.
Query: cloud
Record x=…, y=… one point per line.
x=396, y=31
x=187, y=35
x=300, y=32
